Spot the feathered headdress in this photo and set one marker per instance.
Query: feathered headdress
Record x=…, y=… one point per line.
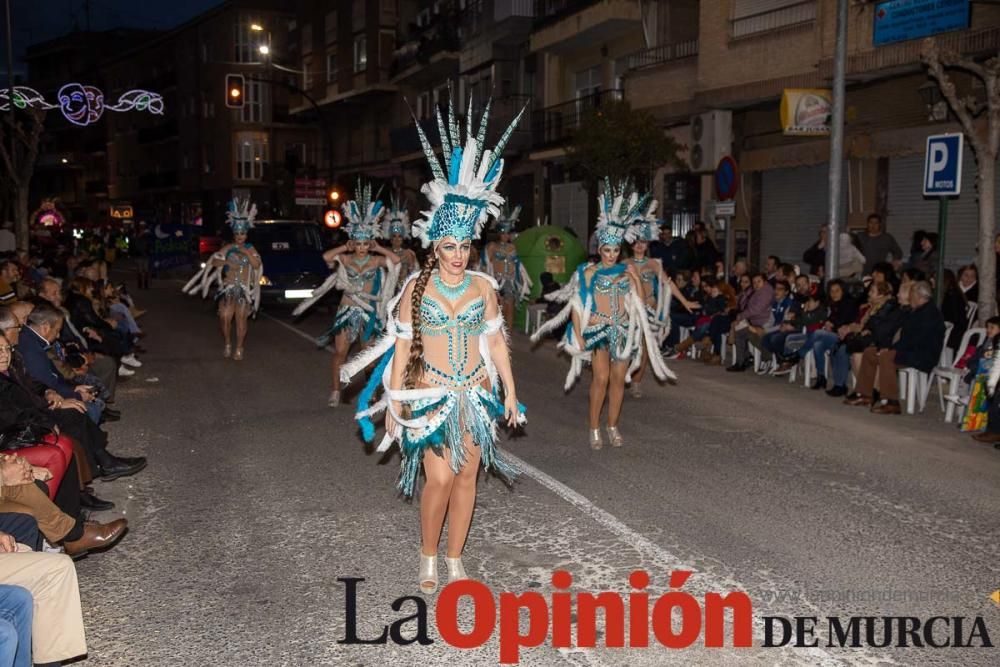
x=463, y=193
x=240, y=215
x=507, y=219
x=363, y=215
x=397, y=220
x=645, y=228
x=619, y=207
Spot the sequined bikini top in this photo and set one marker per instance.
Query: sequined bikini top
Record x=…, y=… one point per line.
x=435, y=321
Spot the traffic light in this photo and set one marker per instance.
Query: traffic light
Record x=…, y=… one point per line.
x=235, y=88
x=334, y=196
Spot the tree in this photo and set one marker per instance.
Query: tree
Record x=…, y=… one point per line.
x=18, y=168
x=980, y=121
x=616, y=141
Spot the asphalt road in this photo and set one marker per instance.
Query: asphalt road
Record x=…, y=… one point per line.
x=258, y=498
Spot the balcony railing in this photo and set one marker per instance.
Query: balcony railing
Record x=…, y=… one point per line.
x=423, y=43
x=662, y=54
x=555, y=124
x=789, y=15
x=551, y=11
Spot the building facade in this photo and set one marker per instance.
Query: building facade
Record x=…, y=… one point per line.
x=185, y=165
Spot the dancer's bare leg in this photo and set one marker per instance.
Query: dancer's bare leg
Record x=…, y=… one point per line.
x=600, y=365
x=226, y=311
x=341, y=346
x=462, y=503
x=434, y=500
x=616, y=391
x=508, y=312
x=242, y=314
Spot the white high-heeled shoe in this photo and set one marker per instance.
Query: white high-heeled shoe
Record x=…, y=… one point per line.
x=428, y=574
x=615, y=436
x=456, y=572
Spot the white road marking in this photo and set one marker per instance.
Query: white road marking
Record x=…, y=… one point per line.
x=705, y=581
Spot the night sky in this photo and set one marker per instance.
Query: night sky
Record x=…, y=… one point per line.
x=40, y=20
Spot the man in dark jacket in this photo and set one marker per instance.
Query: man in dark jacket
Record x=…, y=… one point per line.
x=918, y=346
x=672, y=253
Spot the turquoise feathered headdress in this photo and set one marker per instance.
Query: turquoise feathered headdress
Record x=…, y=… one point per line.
x=463, y=193
x=397, y=219
x=363, y=215
x=240, y=215
x=619, y=207
x=507, y=219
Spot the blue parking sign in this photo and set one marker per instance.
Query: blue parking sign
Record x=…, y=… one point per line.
x=943, y=165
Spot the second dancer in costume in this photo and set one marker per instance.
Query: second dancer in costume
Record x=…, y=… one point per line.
x=657, y=287
x=445, y=367
x=501, y=261
x=607, y=312
x=367, y=274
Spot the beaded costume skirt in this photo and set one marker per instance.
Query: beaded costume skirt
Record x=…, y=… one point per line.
x=356, y=321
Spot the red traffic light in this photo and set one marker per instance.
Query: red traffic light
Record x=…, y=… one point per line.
x=235, y=85
x=332, y=218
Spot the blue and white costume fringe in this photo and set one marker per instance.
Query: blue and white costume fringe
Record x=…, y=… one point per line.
x=440, y=416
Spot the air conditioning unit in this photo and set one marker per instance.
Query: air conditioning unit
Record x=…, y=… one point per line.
x=711, y=139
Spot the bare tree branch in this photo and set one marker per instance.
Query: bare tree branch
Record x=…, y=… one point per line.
x=934, y=58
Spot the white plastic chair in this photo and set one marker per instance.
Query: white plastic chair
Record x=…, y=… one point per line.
x=971, y=309
x=533, y=316
x=916, y=385
x=953, y=375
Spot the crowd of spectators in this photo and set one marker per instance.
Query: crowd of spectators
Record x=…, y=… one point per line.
x=878, y=317
x=68, y=335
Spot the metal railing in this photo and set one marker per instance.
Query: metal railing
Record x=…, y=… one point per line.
x=556, y=123
x=662, y=54
x=800, y=12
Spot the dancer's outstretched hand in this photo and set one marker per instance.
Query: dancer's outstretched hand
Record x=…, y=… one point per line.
x=510, y=410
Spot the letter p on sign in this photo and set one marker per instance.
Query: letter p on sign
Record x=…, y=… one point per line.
x=943, y=165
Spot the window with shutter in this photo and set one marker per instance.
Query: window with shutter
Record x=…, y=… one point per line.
x=755, y=16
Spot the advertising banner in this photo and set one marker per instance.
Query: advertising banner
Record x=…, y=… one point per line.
x=806, y=111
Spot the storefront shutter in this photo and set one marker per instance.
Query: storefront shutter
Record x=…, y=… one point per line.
x=793, y=206
x=909, y=211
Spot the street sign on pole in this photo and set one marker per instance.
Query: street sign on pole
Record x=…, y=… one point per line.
x=943, y=165
x=943, y=179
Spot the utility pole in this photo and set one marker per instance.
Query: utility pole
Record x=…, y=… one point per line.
x=837, y=143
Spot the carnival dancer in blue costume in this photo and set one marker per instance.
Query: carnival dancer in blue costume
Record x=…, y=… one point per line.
x=444, y=362
x=608, y=324
x=397, y=230
x=236, y=269
x=657, y=287
x=366, y=273
x=501, y=261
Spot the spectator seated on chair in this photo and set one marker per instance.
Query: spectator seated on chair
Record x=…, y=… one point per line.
x=48, y=583
x=714, y=305
x=989, y=349
x=968, y=282
x=680, y=317
x=842, y=311
x=780, y=308
x=755, y=311
x=917, y=346
x=808, y=319
x=879, y=321
x=953, y=309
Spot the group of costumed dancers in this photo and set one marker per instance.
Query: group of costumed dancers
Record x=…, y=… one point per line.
x=437, y=339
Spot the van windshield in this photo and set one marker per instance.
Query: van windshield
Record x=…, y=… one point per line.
x=285, y=238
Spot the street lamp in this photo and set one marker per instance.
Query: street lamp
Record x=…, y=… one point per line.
x=256, y=27
x=264, y=49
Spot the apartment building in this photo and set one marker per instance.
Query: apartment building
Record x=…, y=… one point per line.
x=746, y=54
x=185, y=165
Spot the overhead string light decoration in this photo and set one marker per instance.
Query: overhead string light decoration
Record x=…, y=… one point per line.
x=81, y=104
